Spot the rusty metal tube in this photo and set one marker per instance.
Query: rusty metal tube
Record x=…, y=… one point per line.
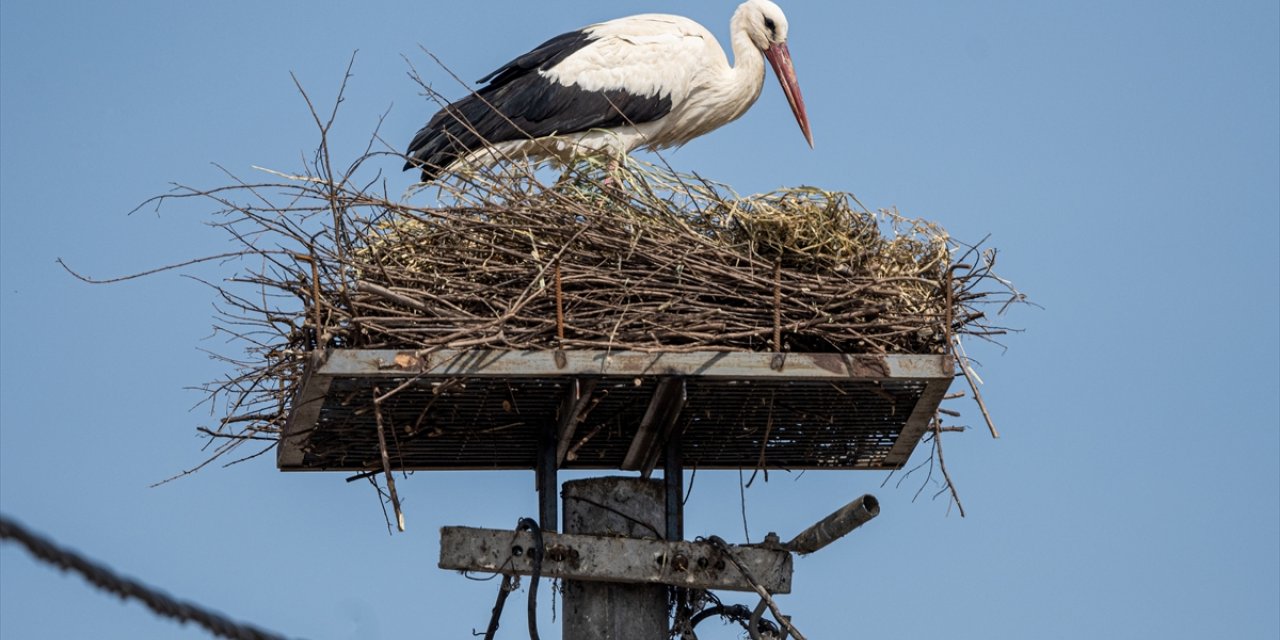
x=836, y=525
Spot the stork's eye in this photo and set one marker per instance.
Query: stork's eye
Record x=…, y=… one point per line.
x=769, y=24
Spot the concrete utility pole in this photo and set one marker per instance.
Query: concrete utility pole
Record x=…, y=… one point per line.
x=628, y=507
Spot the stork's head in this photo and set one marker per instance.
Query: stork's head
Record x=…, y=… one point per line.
x=767, y=27
x=765, y=22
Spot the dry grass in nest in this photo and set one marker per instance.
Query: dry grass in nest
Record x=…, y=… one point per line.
x=651, y=260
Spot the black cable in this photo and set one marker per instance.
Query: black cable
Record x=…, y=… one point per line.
x=531, y=525
x=657, y=534
x=734, y=613
x=508, y=583
x=103, y=578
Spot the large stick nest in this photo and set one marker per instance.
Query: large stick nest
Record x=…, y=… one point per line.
x=640, y=258
x=648, y=260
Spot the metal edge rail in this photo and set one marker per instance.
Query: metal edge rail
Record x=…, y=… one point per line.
x=936, y=370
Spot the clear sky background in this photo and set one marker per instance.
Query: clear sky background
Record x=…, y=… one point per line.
x=1124, y=156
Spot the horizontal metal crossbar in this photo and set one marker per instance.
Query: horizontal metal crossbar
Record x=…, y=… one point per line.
x=691, y=565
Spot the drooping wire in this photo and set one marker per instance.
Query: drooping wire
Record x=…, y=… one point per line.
x=531, y=525
x=103, y=578
x=734, y=613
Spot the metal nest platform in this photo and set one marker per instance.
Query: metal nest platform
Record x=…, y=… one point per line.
x=490, y=409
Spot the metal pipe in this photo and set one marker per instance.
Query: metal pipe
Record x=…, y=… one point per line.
x=835, y=526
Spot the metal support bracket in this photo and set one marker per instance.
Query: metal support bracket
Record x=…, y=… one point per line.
x=673, y=486
x=546, y=477
x=576, y=400
x=689, y=565
x=656, y=426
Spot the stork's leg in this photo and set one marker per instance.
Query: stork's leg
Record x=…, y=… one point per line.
x=566, y=176
x=613, y=174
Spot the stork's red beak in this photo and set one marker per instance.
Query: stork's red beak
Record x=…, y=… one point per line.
x=780, y=58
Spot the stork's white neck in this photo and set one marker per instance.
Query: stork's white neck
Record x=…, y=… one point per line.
x=748, y=63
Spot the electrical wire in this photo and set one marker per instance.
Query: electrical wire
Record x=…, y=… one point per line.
x=531, y=525
x=105, y=579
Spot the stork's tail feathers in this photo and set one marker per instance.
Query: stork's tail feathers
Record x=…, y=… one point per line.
x=431, y=169
x=449, y=136
x=434, y=148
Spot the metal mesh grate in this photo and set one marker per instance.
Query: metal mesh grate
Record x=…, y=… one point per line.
x=491, y=421
x=839, y=425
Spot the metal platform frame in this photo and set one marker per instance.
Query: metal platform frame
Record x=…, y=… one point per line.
x=666, y=378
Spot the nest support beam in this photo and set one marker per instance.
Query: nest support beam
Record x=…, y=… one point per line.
x=571, y=415
x=673, y=485
x=547, y=478
x=655, y=429
x=657, y=440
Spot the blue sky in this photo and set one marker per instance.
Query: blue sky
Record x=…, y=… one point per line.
x=1125, y=158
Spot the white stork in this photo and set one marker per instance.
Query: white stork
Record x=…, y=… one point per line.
x=649, y=81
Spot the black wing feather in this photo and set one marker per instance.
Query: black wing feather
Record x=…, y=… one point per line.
x=533, y=106
x=544, y=56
